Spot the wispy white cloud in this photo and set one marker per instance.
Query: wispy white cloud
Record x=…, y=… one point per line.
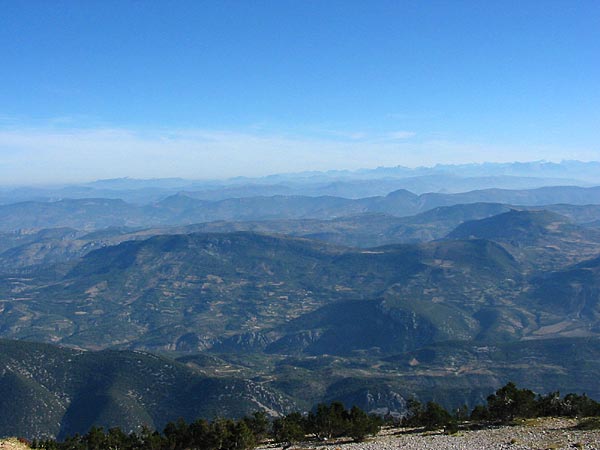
x=58, y=155
x=344, y=134
x=401, y=134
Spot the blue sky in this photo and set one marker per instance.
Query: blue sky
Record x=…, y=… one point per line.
x=206, y=89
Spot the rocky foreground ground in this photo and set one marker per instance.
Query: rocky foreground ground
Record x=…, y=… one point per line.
x=12, y=444
x=531, y=434
x=542, y=434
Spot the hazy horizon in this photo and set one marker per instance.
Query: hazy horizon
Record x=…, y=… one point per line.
x=343, y=173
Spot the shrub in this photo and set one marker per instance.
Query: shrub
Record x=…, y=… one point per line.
x=589, y=423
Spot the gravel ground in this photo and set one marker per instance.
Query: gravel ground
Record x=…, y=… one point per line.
x=12, y=444
x=534, y=434
x=542, y=434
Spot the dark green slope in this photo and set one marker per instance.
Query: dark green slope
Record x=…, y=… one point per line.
x=571, y=294
x=518, y=226
x=451, y=372
x=51, y=391
x=27, y=408
x=454, y=369
x=435, y=302
x=192, y=292
x=352, y=326
x=541, y=240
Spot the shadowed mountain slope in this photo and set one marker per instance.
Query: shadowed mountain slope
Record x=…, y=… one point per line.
x=52, y=391
x=200, y=290
x=572, y=293
x=541, y=240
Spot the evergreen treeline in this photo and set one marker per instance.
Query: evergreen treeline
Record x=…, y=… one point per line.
x=326, y=422
x=510, y=402
x=506, y=404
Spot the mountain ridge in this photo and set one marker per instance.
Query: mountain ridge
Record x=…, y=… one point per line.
x=179, y=209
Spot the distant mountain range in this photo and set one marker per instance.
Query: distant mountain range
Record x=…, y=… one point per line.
x=337, y=183
x=180, y=209
x=30, y=247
